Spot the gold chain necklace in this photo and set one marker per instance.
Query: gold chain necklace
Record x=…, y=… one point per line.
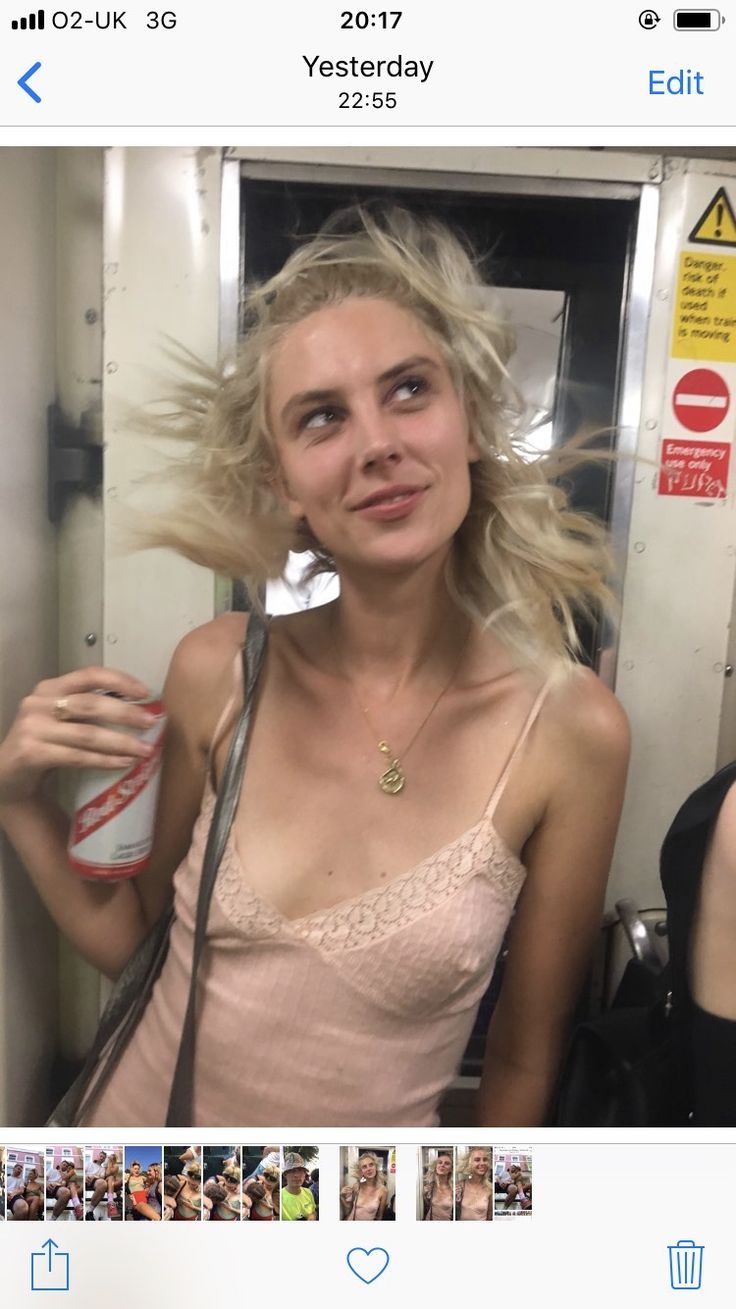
x=393, y=779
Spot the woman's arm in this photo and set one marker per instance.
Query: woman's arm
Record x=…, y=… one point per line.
x=106, y=923
x=382, y=1204
x=585, y=751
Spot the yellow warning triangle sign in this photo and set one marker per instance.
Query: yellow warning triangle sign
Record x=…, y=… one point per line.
x=717, y=223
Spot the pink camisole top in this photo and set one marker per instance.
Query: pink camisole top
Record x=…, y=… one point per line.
x=292, y=1028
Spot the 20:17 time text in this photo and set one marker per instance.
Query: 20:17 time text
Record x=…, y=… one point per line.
x=386, y=18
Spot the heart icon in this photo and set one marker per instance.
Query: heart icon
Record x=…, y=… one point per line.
x=367, y=1264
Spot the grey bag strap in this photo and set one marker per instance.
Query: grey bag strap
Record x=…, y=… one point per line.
x=179, y=1113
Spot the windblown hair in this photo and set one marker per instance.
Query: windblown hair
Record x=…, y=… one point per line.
x=464, y=1169
x=523, y=560
x=368, y=1154
x=431, y=1173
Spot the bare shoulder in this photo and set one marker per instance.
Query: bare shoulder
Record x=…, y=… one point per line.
x=199, y=679
x=584, y=715
x=203, y=649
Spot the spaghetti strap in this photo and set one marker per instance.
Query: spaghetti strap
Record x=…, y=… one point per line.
x=233, y=698
x=526, y=729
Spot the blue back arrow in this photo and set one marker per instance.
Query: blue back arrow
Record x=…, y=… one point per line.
x=23, y=83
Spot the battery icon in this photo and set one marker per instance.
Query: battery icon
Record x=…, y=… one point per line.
x=697, y=20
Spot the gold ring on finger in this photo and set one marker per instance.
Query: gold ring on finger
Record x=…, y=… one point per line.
x=61, y=709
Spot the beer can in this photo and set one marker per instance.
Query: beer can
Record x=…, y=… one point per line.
x=112, y=828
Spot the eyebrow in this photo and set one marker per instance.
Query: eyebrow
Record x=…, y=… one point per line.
x=321, y=397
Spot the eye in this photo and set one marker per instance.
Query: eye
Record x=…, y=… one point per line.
x=317, y=419
x=410, y=388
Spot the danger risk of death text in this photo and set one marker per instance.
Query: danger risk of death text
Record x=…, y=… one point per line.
x=705, y=308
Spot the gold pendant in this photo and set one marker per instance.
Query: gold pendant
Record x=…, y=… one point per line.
x=392, y=781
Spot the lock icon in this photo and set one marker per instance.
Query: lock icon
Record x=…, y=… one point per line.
x=648, y=19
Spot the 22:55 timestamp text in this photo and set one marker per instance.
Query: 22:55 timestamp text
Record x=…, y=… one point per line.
x=367, y=100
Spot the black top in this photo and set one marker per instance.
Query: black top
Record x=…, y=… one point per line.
x=709, y=1041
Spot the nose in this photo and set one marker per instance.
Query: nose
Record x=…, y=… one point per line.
x=377, y=438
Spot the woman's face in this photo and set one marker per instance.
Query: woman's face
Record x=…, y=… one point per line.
x=368, y=1169
x=443, y=1167
x=372, y=439
x=480, y=1163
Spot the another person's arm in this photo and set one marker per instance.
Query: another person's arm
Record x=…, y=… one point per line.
x=712, y=966
x=559, y=913
x=713, y=949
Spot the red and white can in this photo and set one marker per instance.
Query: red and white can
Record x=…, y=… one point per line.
x=112, y=828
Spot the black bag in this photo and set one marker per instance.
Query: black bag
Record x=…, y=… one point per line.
x=132, y=990
x=626, y=1068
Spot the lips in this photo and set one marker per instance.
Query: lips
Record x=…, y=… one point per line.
x=388, y=495
x=391, y=504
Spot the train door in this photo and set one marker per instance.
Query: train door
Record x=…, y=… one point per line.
x=561, y=256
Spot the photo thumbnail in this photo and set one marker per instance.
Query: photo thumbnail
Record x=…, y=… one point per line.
x=512, y=1182
x=300, y=1183
x=436, y=1184
x=474, y=1184
x=103, y=1173
x=143, y=1188
x=24, y=1183
x=368, y=1183
x=224, y=1196
x=183, y=1198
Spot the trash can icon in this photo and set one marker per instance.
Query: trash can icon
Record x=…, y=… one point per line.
x=686, y=1266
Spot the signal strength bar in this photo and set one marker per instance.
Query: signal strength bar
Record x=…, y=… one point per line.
x=33, y=23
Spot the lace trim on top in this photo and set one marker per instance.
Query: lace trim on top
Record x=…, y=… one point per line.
x=360, y=921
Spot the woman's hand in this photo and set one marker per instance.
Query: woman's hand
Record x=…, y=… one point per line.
x=64, y=723
x=346, y=1195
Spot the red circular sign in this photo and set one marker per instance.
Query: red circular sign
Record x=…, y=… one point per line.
x=701, y=400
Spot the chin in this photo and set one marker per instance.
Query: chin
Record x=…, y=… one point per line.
x=401, y=556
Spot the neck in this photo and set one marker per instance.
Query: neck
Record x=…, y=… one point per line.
x=385, y=630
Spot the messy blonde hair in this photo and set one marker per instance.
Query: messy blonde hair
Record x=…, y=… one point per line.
x=368, y=1154
x=464, y=1169
x=431, y=1170
x=523, y=560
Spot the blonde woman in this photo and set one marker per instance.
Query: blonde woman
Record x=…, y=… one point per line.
x=438, y=1191
x=430, y=729
x=189, y=1198
x=474, y=1189
x=263, y=1191
x=113, y=1183
x=138, y=1189
x=34, y=1194
x=365, y=1200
